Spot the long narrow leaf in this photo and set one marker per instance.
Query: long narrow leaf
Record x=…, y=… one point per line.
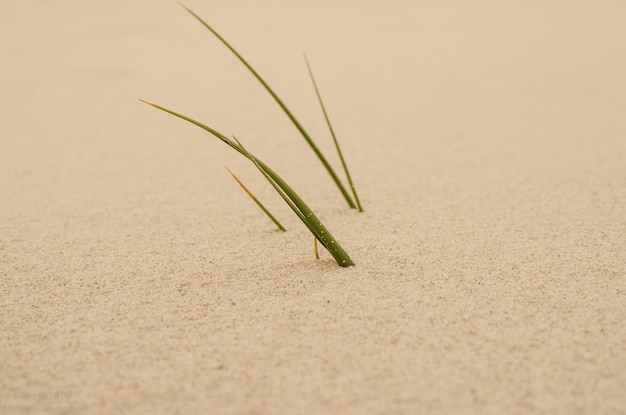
x=332, y=133
x=294, y=201
x=257, y=201
x=311, y=221
x=289, y=114
x=268, y=175
x=285, y=194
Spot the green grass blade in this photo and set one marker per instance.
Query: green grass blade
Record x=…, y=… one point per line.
x=292, y=199
x=289, y=114
x=257, y=201
x=269, y=174
x=332, y=133
x=309, y=218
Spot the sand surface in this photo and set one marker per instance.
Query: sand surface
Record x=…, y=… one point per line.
x=487, y=140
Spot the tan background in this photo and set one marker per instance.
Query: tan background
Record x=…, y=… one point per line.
x=488, y=142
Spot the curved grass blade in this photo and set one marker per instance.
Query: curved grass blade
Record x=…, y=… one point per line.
x=311, y=221
x=274, y=180
x=282, y=105
x=257, y=201
x=292, y=199
x=332, y=132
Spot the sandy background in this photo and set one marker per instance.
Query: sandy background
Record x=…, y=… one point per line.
x=488, y=143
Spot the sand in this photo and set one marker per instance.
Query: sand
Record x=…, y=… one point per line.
x=488, y=143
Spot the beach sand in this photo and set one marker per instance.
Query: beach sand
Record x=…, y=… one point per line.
x=487, y=141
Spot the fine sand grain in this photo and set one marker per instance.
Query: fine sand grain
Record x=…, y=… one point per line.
x=487, y=140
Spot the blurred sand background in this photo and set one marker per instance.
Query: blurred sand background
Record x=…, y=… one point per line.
x=487, y=140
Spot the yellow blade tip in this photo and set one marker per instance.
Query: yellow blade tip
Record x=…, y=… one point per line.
x=147, y=102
